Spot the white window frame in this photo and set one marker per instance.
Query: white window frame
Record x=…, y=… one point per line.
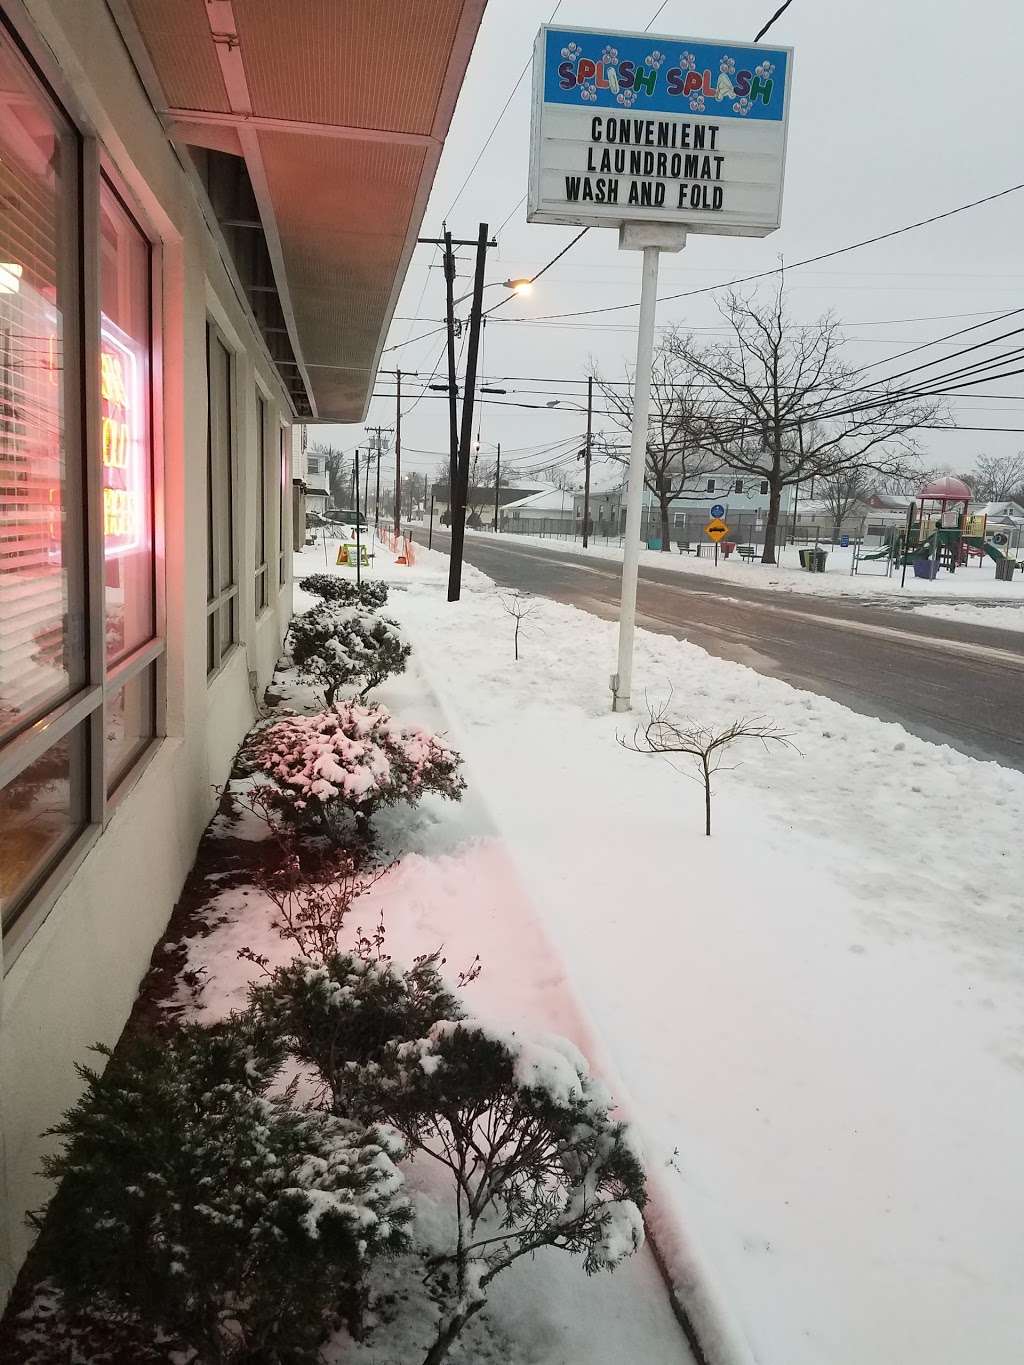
x=264, y=506
x=228, y=595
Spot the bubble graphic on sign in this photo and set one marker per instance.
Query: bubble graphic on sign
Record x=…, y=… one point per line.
x=697, y=104
x=654, y=59
x=765, y=70
x=610, y=56
x=588, y=92
x=571, y=51
x=728, y=65
x=742, y=106
x=687, y=61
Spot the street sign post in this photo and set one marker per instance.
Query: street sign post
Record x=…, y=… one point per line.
x=716, y=530
x=658, y=137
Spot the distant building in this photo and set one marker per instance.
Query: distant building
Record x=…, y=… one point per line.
x=550, y=511
x=317, y=479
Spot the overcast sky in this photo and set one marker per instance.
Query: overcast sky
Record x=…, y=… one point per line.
x=899, y=110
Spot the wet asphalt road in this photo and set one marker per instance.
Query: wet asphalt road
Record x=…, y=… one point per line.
x=948, y=682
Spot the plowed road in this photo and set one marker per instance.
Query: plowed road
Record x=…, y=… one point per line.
x=948, y=682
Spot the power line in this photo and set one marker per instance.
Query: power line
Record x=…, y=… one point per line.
x=777, y=15
x=795, y=265
x=497, y=121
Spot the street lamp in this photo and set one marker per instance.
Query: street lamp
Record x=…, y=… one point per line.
x=522, y=286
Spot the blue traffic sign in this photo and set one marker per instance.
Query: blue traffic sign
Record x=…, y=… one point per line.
x=718, y=510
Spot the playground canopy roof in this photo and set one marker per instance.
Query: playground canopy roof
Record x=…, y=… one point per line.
x=946, y=489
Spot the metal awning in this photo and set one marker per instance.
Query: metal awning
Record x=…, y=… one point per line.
x=339, y=111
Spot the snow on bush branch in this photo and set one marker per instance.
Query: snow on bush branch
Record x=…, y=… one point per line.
x=353, y=758
x=371, y=593
x=196, y=1208
x=525, y=1132
x=333, y=647
x=535, y=1156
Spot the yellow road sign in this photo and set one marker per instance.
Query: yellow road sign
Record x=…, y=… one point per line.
x=716, y=529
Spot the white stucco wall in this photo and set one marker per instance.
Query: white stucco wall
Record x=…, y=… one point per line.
x=73, y=983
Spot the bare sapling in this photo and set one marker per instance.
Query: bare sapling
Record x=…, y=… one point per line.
x=518, y=605
x=706, y=745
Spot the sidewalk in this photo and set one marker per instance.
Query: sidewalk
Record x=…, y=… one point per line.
x=817, y=1015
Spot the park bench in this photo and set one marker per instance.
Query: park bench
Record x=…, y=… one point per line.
x=683, y=547
x=747, y=552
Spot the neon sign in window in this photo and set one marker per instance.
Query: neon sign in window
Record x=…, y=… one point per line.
x=124, y=442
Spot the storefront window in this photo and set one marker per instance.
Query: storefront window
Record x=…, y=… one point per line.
x=78, y=669
x=130, y=720
x=126, y=445
x=42, y=624
x=41, y=812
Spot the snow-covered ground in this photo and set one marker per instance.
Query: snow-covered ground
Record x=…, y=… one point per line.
x=973, y=583
x=817, y=1015
x=457, y=888
x=978, y=614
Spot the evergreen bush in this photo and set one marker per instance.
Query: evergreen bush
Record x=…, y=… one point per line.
x=342, y=1013
x=350, y=760
x=333, y=647
x=371, y=593
x=192, y=1205
x=536, y=1158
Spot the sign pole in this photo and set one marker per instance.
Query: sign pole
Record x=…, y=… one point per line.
x=634, y=236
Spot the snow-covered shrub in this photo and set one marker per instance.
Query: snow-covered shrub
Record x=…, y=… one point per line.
x=353, y=759
x=536, y=1158
x=370, y=593
x=343, y=1013
x=333, y=646
x=194, y=1206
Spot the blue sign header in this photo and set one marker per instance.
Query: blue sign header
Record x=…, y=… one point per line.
x=661, y=76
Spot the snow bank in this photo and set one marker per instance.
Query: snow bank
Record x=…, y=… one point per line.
x=973, y=583
x=818, y=1014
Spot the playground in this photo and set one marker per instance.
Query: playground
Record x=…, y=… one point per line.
x=942, y=535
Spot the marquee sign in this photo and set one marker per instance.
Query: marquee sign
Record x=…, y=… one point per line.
x=630, y=127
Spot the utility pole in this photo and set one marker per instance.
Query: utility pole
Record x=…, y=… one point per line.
x=359, y=543
x=497, y=488
x=586, y=457
x=398, y=452
x=458, y=527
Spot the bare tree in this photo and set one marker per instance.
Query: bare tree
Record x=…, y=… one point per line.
x=518, y=605
x=997, y=478
x=841, y=492
x=789, y=409
x=677, y=426
x=704, y=744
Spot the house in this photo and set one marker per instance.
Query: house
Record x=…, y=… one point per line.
x=317, y=478
x=480, y=500
x=201, y=247
x=552, y=510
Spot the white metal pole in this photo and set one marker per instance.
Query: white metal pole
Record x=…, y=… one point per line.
x=622, y=681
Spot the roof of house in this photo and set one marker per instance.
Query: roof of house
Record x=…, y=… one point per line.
x=549, y=500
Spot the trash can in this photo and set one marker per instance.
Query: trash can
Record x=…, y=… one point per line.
x=1005, y=569
x=820, y=558
x=803, y=558
x=926, y=568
